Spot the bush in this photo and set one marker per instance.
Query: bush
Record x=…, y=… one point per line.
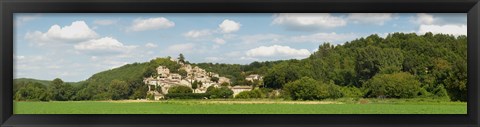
x=397, y=85
x=250, y=94
x=180, y=89
x=309, y=89
x=32, y=92
x=187, y=95
x=222, y=92
x=150, y=97
x=351, y=92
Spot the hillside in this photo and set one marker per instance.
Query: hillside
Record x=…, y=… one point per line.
x=437, y=62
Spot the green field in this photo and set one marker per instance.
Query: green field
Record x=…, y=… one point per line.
x=240, y=107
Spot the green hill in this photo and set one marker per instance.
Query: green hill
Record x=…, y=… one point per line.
x=437, y=61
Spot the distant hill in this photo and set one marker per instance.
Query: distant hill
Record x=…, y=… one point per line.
x=43, y=82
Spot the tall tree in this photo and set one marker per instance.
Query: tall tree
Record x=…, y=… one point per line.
x=181, y=58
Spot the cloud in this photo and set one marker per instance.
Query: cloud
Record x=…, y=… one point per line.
x=186, y=47
x=197, y=33
x=370, y=18
x=423, y=18
x=444, y=29
x=151, y=24
x=277, y=50
x=219, y=41
x=229, y=26
x=102, y=46
x=104, y=22
x=261, y=38
x=20, y=20
x=76, y=32
x=308, y=21
x=324, y=37
x=151, y=45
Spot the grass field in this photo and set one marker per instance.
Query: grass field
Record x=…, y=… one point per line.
x=240, y=107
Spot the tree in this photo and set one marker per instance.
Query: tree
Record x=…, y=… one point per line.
x=371, y=60
x=225, y=84
x=456, y=82
x=118, y=90
x=182, y=73
x=194, y=85
x=180, y=89
x=59, y=91
x=222, y=92
x=181, y=58
x=309, y=89
x=397, y=85
x=214, y=79
x=32, y=92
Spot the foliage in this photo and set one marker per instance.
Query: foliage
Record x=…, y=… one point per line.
x=60, y=91
x=309, y=89
x=222, y=92
x=397, y=85
x=251, y=94
x=32, y=92
x=187, y=95
x=119, y=90
x=180, y=89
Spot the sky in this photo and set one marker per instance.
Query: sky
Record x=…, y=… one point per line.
x=75, y=46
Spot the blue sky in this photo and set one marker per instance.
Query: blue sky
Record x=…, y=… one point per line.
x=75, y=46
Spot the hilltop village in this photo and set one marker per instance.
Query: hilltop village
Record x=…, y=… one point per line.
x=159, y=85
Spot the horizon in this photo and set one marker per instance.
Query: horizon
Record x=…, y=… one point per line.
x=75, y=46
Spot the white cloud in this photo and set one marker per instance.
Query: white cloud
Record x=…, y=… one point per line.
x=219, y=41
x=308, y=21
x=104, y=45
x=20, y=20
x=423, y=18
x=104, y=22
x=370, y=18
x=324, y=37
x=277, y=50
x=197, y=33
x=229, y=26
x=76, y=32
x=261, y=38
x=151, y=45
x=151, y=24
x=444, y=29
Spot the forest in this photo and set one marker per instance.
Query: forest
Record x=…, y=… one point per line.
x=401, y=65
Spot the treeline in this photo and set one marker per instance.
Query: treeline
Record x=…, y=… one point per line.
x=398, y=66
x=401, y=65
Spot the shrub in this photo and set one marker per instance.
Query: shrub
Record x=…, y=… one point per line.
x=250, y=94
x=180, y=89
x=309, y=89
x=351, y=92
x=222, y=92
x=150, y=97
x=397, y=85
x=187, y=95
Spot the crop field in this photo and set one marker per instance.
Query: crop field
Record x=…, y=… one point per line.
x=241, y=107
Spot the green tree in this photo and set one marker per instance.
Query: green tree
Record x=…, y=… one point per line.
x=222, y=92
x=195, y=85
x=214, y=79
x=60, y=91
x=397, y=85
x=180, y=89
x=118, y=90
x=181, y=58
x=182, y=73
